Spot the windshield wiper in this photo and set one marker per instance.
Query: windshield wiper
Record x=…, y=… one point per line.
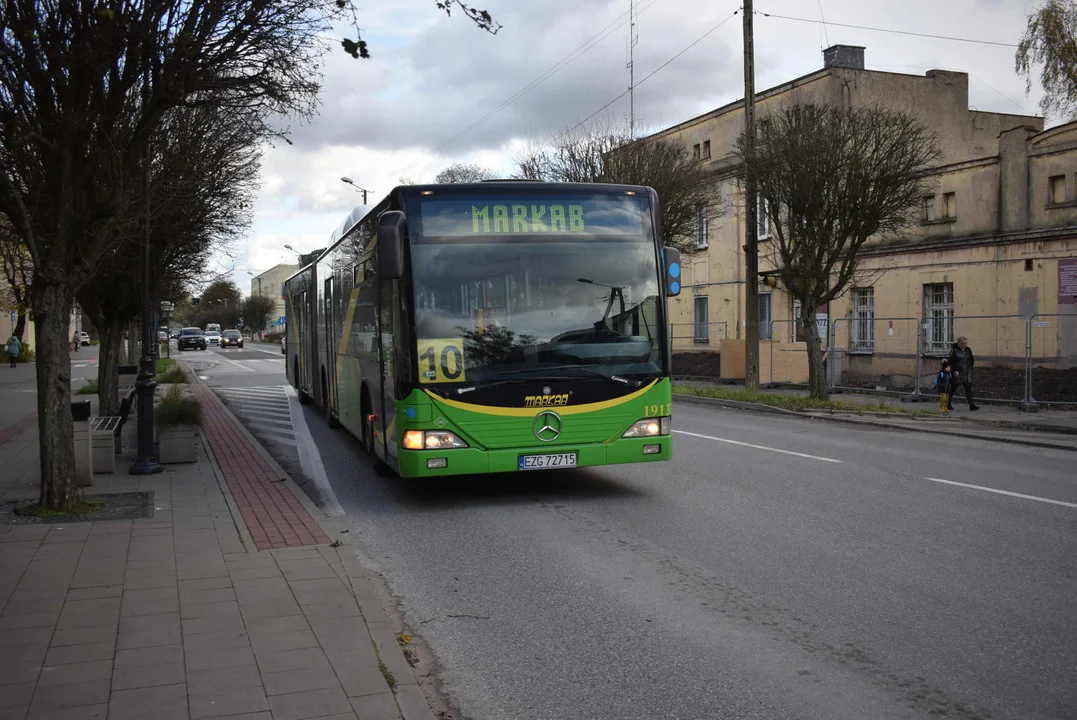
x=590, y=369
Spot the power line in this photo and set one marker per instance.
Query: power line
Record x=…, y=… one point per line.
x=826, y=35
x=650, y=75
x=594, y=40
x=888, y=30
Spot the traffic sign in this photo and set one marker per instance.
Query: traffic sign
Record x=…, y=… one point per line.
x=13, y=316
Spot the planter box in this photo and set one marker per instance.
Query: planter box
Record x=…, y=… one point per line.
x=176, y=444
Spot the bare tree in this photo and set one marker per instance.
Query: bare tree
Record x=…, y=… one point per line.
x=1050, y=41
x=463, y=173
x=204, y=178
x=17, y=271
x=607, y=153
x=832, y=178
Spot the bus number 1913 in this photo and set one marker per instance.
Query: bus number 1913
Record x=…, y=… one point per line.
x=657, y=410
x=441, y=361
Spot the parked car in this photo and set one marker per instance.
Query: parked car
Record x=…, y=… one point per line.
x=232, y=338
x=191, y=338
x=84, y=338
x=283, y=344
x=162, y=336
x=213, y=337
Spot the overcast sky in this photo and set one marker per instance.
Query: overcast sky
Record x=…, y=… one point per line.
x=432, y=76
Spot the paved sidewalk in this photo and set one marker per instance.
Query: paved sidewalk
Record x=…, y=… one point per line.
x=175, y=616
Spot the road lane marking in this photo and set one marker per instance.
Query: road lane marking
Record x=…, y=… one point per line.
x=757, y=447
x=1004, y=492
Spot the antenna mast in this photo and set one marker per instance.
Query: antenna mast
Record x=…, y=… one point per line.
x=633, y=38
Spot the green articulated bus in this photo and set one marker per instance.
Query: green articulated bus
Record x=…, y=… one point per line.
x=491, y=327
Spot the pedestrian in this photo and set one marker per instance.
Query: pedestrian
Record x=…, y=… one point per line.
x=942, y=384
x=14, y=347
x=961, y=362
x=76, y=341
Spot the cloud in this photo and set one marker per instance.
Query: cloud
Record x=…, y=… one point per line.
x=432, y=76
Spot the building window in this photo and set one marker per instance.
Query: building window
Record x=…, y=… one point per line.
x=706, y=149
x=863, y=325
x=763, y=217
x=1028, y=265
x=949, y=205
x=1058, y=190
x=695, y=151
x=764, y=316
x=938, y=318
x=702, y=325
x=928, y=209
x=701, y=229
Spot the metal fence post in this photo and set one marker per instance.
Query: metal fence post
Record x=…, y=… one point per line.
x=919, y=359
x=1028, y=360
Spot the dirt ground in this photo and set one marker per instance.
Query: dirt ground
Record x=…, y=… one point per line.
x=697, y=364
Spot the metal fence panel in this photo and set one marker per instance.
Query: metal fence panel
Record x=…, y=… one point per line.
x=999, y=344
x=1052, y=361
x=876, y=354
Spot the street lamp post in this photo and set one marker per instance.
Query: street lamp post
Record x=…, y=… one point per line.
x=351, y=182
x=146, y=462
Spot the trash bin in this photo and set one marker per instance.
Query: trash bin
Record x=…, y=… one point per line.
x=80, y=417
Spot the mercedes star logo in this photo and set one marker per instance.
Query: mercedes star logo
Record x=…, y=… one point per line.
x=547, y=426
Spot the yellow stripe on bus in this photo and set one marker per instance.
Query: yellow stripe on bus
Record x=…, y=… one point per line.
x=532, y=411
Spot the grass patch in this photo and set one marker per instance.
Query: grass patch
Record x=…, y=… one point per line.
x=386, y=673
x=164, y=364
x=798, y=403
x=172, y=376
x=87, y=389
x=178, y=408
x=79, y=508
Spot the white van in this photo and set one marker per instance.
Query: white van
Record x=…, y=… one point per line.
x=213, y=327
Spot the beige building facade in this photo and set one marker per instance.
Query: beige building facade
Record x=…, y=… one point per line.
x=270, y=284
x=996, y=238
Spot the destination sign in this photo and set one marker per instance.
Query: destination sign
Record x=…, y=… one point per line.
x=534, y=214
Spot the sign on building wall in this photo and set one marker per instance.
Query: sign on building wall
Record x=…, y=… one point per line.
x=1067, y=281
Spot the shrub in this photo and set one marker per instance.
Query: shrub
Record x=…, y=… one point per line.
x=178, y=408
x=87, y=389
x=26, y=355
x=172, y=376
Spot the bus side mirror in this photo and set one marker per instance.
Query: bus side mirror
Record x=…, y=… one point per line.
x=391, y=229
x=672, y=259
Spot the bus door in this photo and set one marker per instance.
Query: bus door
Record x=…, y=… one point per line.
x=387, y=325
x=330, y=355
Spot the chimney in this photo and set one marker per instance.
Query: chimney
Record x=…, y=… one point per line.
x=845, y=56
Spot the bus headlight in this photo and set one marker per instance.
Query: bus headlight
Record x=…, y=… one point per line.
x=648, y=428
x=432, y=440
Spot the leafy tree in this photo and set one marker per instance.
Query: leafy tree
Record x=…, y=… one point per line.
x=608, y=153
x=494, y=344
x=1050, y=42
x=257, y=311
x=463, y=173
x=832, y=178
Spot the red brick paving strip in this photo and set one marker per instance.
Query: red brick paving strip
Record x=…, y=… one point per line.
x=272, y=512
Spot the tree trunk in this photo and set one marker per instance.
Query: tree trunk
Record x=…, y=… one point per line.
x=132, y=343
x=20, y=327
x=52, y=315
x=817, y=385
x=108, y=366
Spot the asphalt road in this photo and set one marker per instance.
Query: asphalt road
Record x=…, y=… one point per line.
x=777, y=568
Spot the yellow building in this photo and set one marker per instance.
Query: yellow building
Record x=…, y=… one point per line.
x=270, y=284
x=990, y=241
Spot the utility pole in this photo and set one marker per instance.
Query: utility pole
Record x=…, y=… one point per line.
x=751, y=207
x=633, y=38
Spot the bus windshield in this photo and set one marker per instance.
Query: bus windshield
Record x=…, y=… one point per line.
x=569, y=302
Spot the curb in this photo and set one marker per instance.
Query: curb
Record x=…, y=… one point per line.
x=756, y=407
x=237, y=519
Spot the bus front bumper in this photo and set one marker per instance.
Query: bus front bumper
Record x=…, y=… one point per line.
x=470, y=461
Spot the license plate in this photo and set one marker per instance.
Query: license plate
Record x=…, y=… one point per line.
x=543, y=462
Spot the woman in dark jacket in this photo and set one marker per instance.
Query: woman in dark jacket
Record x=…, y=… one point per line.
x=961, y=363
